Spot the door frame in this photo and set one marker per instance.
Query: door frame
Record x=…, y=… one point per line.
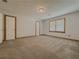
x=36, y=27
x=15, y=30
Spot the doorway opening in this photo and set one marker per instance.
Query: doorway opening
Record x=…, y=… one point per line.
x=37, y=28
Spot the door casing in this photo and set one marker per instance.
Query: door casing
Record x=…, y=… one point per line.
x=5, y=26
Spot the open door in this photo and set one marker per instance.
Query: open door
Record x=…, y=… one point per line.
x=9, y=27
x=37, y=28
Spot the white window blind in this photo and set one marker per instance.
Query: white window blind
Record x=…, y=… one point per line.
x=52, y=26
x=60, y=25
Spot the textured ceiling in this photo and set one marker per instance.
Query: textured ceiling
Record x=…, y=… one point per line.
x=29, y=7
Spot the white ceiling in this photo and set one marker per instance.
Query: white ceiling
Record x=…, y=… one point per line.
x=29, y=7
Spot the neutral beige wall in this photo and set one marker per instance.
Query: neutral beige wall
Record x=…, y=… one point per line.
x=1, y=28
x=25, y=26
x=72, y=27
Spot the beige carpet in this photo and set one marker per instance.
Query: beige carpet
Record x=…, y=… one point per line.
x=42, y=47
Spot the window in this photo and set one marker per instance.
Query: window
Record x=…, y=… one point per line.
x=52, y=26
x=57, y=25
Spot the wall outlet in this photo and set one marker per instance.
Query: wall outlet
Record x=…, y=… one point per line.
x=69, y=35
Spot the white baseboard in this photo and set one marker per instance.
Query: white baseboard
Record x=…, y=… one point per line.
x=25, y=37
x=60, y=37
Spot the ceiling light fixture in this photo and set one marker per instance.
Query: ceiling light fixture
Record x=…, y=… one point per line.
x=41, y=10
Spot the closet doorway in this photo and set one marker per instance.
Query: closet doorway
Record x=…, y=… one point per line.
x=37, y=28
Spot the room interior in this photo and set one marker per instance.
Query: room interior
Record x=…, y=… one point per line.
x=39, y=29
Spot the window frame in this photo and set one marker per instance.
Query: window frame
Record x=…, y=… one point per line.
x=55, y=25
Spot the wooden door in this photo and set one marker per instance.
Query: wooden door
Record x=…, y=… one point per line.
x=10, y=27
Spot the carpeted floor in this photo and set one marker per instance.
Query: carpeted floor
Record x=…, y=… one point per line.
x=42, y=47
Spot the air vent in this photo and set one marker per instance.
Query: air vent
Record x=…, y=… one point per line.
x=4, y=0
